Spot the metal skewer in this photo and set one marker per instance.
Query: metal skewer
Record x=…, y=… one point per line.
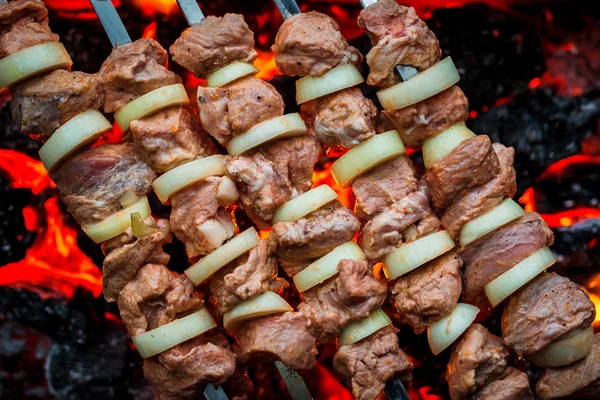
x=3, y=2
x=191, y=11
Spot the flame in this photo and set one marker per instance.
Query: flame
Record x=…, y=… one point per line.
x=593, y=290
x=265, y=62
x=150, y=31
x=324, y=177
x=154, y=7
x=24, y=172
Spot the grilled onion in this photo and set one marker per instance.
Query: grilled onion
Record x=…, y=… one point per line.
x=444, y=332
x=230, y=73
x=222, y=256
x=417, y=253
x=357, y=331
x=267, y=303
x=518, y=276
x=338, y=78
x=568, y=348
x=420, y=87
x=438, y=147
x=117, y=223
x=367, y=155
x=187, y=174
x=274, y=129
x=163, y=338
x=33, y=61
x=326, y=266
x=500, y=215
x=79, y=131
x=151, y=103
x=304, y=204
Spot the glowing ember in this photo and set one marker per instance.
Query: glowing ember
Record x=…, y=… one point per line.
x=24, y=172
x=266, y=63
x=154, y=7
x=324, y=177
x=150, y=31
x=593, y=289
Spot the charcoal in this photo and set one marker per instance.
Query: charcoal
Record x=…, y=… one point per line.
x=14, y=236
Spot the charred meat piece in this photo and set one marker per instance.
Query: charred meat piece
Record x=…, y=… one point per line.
x=133, y=70
x=92, y=182
x=170, y=138
x=213, y=44
x=404, y=221
x=271, y=176
x=548, y=307
x=42, y=104
x=349, y=296
x=382, y=186
x=200, y=218
x=483, y=198
x=371, y=362
x=492, y=255
x=580, y=380
x=311, y=44
x=425, y=119
x=399, y=36
x=314, y=235
x=236, y=108
x=345, y=118
x=283, y=337
x=472, y=163
x=428, y=293
x=251, y=274
x=23, y=24
x=125, y=254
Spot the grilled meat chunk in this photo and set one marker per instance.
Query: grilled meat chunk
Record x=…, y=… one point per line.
x=382, y=186
x=133, y=70
x=399, y=36
x=472, y=163
x=213, y=44
x=234, y=109
x=283, y=337
x=580, y=380
x=200, y=218
x=314, y=235
x=513, y=385
x=125, y=254
x=349, y=296
x=23, y=24
x=170, y=138
x=311, y=44
x=41, y=105
x=492, y=255
x=404, y=221
x=344, y=118
x=371, y=362
x=425, y=119
x=548, y=307
x=251, y=274
x=483, y=198
x=429, y=292
x=92, y=181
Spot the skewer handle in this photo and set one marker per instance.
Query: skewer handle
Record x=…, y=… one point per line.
x=117, y=34
x=214, y=393
x=191, y=11
x=287, y=8
x=294, y=382
x=394, y=389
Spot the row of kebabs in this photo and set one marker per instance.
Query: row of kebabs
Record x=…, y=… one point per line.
x=391, y=202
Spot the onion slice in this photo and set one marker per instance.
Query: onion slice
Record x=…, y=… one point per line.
x=163, y=338
x=117, y=223
x=444, y=332
x=187, y=174
x=568, y=348
x=438, y=147
x=79, y=131
x=414, y=254
x=267, y=303
x=357, y=331
x=230, y=73
x=304, y=204
x=338, y=78
x=274, y=129
x=500, y=215
x=326, y=266
x=151, y=103
x=33, y=61
x=518, y=276
x=222, y=256
x=420, y=87
x=367, y=155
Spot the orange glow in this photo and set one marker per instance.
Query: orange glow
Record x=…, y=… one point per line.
x=535, y=82
x=558, y=168
x=31, y=218
x=324, y=177
x=154, y=7
x=24, y=172
x=265, y=62
x=593, y=289
x=114, y=136
x=150, y=31
x=264, y=233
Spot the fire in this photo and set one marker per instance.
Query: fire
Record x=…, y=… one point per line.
x=25, y=172
x=324, y=177
x=265, y=62
x=593, y=289
x=154, y=7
